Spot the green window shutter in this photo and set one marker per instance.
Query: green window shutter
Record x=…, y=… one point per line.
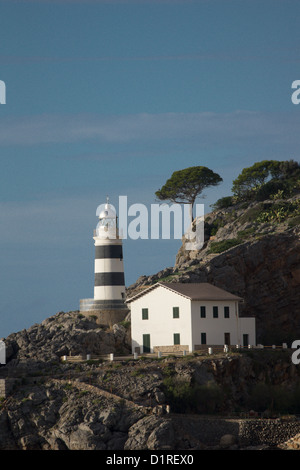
x=203, y=311
x=176, y=338
x=175, y=312
x=145, y=314
x=146, y=344
x=215, y=312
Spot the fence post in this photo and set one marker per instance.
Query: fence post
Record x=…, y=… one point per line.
x=210, y=351
x=111, y=356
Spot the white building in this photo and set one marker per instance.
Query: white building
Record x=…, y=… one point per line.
x=187, y=316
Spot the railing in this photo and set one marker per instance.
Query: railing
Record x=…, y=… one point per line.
x=159, y=354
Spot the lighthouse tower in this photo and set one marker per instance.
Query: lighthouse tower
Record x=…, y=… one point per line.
x=108, y=304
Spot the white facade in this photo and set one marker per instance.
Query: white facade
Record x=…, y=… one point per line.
x=162, y=318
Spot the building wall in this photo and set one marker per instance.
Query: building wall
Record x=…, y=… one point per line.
x=214, y=328
x=247, y=326
x=160, y=324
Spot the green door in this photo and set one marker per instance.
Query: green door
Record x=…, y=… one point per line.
x=146, y=343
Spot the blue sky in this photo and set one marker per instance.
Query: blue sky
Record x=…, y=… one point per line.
x=111, y=97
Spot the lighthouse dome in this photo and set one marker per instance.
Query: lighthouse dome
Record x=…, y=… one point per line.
x=108, y=213
x=107, y=226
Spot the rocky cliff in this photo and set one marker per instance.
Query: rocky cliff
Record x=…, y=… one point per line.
x=252, y=250
x=196, y=402
x=193, y=402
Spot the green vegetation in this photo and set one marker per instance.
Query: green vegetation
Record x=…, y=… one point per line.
x=186, y=185
x=223, y=203
x=68, y=386
x=140, y=372
x=267, y=179
x=274, y=399
x=82, y=393
x=294, y=221
x=125, y=323
x=245, y=234
x=93, y=317
x=279, y=212
x=219, y=247
x=212, y=228
x=184, y=397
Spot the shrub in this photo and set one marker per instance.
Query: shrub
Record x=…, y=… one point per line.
x=244, y=234
x=212, y=228
x=185, y=397
x=279, y=212
x=251, y=214
x=274, y=398
x=223, y=203
x=219, y=247
x=270, y=190
x=294, y=221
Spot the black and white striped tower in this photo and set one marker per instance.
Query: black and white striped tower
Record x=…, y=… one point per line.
x=108, y=304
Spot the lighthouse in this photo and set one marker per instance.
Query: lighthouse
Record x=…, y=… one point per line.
x=109, y=303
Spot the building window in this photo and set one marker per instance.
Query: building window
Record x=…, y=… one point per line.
x=144, y=314
x=203, y=311
x=226, y=312
x=203, y=338
x=176, y=338
x=175, y=312
x=215, y=312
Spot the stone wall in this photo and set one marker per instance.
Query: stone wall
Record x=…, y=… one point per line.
x=176, y=348
x=6, y=386
x=267, y=431
x=107, y=317
x=247, y=432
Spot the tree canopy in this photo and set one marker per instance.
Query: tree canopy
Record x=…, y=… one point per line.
x=252, y=179
x=186, y=185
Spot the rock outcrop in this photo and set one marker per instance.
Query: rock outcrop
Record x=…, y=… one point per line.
x=256, y=260
x=125, y=405
x=166, y=403
x=66, y=333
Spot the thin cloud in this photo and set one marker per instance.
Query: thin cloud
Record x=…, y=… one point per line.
x=164, y=130
x=272, y=56
x=108, y=2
